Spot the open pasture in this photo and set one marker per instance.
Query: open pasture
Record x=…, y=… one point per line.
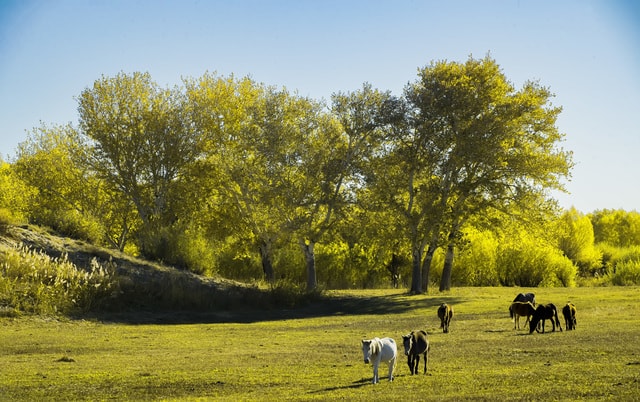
x=314, y=353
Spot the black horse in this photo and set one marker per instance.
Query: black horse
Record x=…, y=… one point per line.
x=416, y=344
x=526, y=297
x=543, y=313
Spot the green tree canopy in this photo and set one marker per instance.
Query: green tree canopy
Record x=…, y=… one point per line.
x=70, y=197
x=140, y=143
x=484, y=144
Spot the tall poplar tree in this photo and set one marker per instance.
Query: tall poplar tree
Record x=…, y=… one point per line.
x=140, y=143
x=485, y=144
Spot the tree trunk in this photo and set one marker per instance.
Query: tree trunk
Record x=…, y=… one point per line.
x=267, y=264
x=426, y=267
x=445, y=280
x=416, y=273
x=310, y=258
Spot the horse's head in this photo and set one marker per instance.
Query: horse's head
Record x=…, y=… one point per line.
x=407, y=341
x=367, y=350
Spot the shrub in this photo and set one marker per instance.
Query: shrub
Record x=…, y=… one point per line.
x=229, y=263
x=33, y=282
x=192, y=251
x=562, y=271
x=626, y=273
x=287, y=294
x=344, y=266
x=523, y=261
x=78, y=226
x=476, y=263
x=621, y=265
x=6, y=219
x=576, y=240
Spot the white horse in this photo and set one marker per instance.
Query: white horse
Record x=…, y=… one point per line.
x=378, y=350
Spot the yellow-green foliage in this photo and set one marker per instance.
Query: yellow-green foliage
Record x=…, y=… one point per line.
x=626, y=273
x=476, y=265
x=194, y=252
x=33, y=282
x=344, y=266
x=6, y=218
x=76, y=225
x=518, y=259
x=576, y=240
x=620, y=265
x=15, y=196
x=525, y=261
x=234, y=263
x=616, y=227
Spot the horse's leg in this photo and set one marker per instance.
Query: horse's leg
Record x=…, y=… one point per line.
x=410, y=363
x=426, y=359
x=375, y=370
x=392, y=364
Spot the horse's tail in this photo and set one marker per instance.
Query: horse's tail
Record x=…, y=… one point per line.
x=511, y=311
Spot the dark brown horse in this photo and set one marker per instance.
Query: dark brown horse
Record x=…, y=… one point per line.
x=416, y=344
x=445, y=313
x=526, y=297
x=569, y=313
x=543, y=313
x=521, y=309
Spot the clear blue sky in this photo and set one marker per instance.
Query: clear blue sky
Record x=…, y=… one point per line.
x=587, y=52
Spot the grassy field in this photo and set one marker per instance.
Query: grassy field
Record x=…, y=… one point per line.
x=314, y=353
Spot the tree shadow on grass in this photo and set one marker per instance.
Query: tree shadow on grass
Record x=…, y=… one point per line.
x=321, y=306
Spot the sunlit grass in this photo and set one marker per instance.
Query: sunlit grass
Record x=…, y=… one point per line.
x=316, y=356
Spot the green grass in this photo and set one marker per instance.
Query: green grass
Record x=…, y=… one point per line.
x=314, y=353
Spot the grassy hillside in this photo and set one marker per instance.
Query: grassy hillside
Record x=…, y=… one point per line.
x=139, y=285
x=313, y=353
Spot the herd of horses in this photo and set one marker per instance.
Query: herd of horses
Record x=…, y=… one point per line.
x=524, y=305
x=416, y=344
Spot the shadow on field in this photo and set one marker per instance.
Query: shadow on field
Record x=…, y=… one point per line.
x=359, y=383
x=353, y=385
x=324, y=305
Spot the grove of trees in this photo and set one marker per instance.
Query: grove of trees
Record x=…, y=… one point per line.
x=224, y=175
